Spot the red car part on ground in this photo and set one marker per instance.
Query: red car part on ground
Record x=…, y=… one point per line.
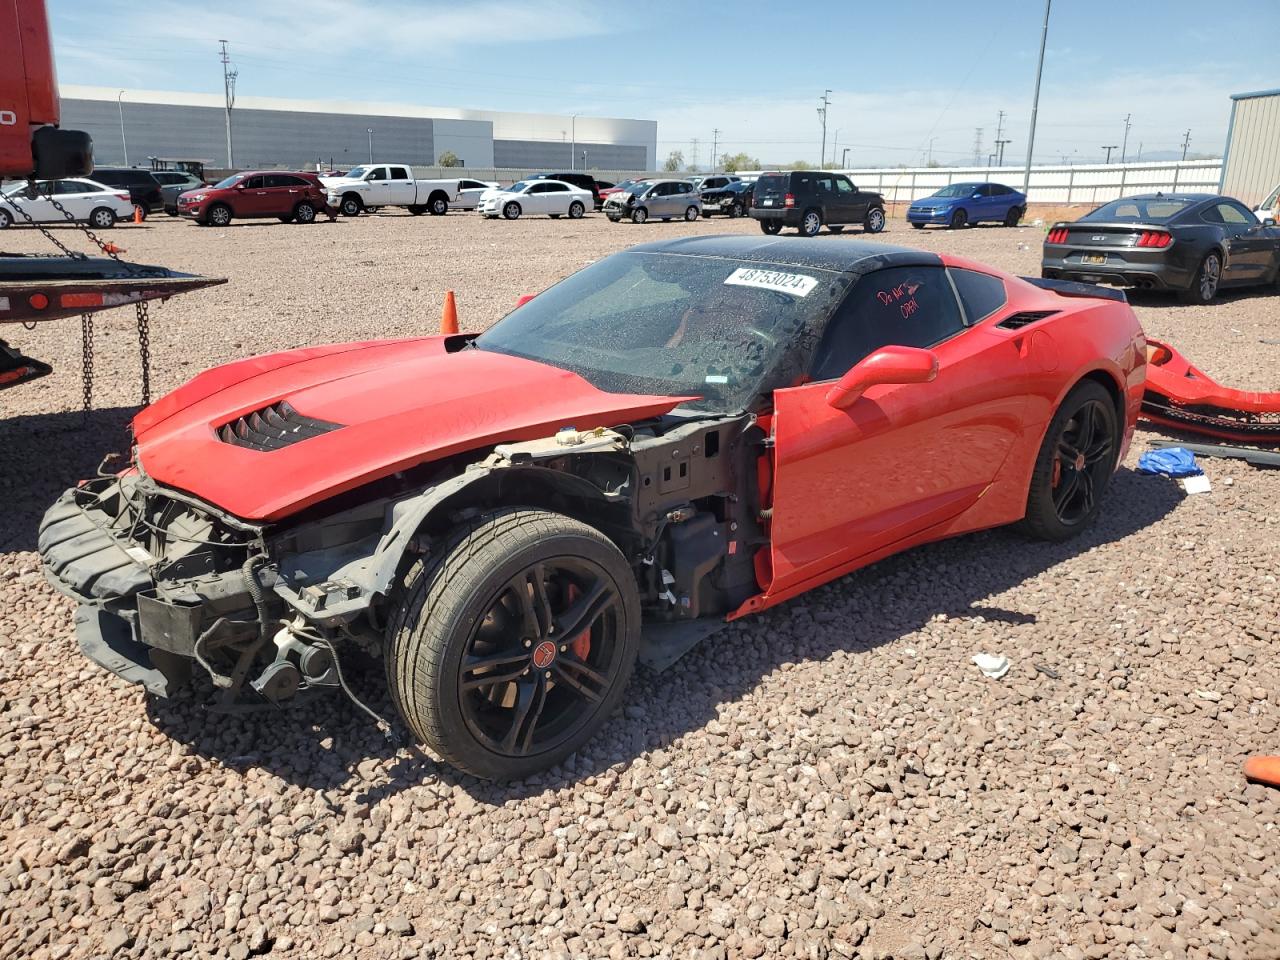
x=1183, y=397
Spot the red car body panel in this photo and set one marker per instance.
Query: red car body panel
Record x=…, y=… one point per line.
x=908, y=464
x=401, y=403
x=253, y=202
x=1181, y=396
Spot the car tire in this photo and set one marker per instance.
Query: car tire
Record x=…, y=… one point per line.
x=6, y=219
x=437, y=204
x=735, y=211
x=351, y=205
x=875, y=220
x=1063, y=496
x=811, y=223
x=100, y=218
x=639, y=215
x=511, y=211
x=613, y=219
x=1205, y=283
x=466, y=617
x=1013, y=216
x=771, y=227
x=171, y=211
x=917, y=226
x=706, y=214
x=576, y=210
x=691, y=213
x=286, y=218
x=219, y=215
x=959, y=219
x=416, y=209
x=304, y=212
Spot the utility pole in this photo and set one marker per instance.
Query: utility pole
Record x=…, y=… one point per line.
x=693, y=155
x=844, y=159
x=1035, y=100
x=715, y=142
x=977, y=146
x=1000, y=144
x=1108, y=147
x=371, y=144
x=229, y=92
x=125, y=143
x=1186, y=142
x=1124, y=144
x=929, y=156
x=822, y=112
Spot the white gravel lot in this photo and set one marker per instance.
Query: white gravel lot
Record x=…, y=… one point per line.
x=833, y=778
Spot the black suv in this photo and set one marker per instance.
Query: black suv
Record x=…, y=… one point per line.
x=807, y=199
x=143, y=187
x=583, y=180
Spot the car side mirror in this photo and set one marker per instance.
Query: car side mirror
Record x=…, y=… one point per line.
x=888, y=365
x=1269, y=222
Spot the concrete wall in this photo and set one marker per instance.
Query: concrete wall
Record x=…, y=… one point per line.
x=1251, y=167
x=599, y=156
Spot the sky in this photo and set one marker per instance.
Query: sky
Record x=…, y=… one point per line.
x=910, y=80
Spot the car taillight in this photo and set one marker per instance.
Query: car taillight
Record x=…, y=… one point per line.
x=122, y=196
x=1057, y=235
x=1154, y=238
x=789, y=200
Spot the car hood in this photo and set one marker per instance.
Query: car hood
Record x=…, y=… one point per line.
x=340, y=181
x=934, y=203
x=396, y=403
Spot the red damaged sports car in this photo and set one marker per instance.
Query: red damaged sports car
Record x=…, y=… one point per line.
x=683, y=433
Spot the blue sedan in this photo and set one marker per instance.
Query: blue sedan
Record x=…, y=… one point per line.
x=964, y=204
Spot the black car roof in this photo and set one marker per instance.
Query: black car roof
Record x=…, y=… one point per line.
x=1189, y=197
x=821, y=253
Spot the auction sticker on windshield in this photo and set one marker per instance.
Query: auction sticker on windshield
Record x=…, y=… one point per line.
x=796, y=284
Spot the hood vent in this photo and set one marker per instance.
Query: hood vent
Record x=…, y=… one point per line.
x=272, y=428
x=1024, y=318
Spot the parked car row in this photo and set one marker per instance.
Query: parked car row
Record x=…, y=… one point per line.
x=87, y=201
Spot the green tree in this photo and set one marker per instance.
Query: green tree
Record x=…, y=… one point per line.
x=798, y=165
x=734, y=162
x=674, y=161
x=449, y=159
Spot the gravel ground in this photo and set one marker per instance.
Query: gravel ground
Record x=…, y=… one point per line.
x=833, y=778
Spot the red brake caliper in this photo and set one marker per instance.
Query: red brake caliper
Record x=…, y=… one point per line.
x=581, y=644
x=1057, y=472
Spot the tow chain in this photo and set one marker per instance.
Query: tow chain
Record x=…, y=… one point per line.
x=86, y=320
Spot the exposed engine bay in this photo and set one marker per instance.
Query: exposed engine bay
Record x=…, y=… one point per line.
x=170, y=585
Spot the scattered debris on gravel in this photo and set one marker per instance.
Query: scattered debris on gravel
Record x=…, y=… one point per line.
x=831, y=779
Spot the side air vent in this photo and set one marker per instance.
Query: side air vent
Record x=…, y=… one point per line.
x=273, y=428
x=1019, y=320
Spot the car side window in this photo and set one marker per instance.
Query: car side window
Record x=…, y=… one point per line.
x=1233, y=214
x=400, y=173
x=275, y=180
x=843, y=185
x=556, y=188
x=825, y=183
x=684, y=188
x=254, y=183
x=981, y=294
x=538, y=188
x=377, y=173
x=903, y=306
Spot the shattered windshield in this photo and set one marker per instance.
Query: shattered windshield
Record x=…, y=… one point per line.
x=720, y=329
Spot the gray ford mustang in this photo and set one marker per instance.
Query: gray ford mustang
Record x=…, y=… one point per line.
x=1194, y=244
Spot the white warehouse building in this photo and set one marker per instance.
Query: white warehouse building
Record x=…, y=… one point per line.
x=273, y=132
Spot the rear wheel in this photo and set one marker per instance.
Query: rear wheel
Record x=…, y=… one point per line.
x=811, y=223
x=1204, y=285
x=512, y=649
x=219, y=215
x=6, y=219
x=771, y=227
x=691, y=213
x=576, y=210
x=102, y=218
x=639, y=215
x=511, y=211
x=874, y=221
x=1075, y=464
x=304, y=212
x=438, y=204
x=1013, y=216
x=959, y=219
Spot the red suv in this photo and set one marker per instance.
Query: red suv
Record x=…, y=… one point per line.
x=285, y=195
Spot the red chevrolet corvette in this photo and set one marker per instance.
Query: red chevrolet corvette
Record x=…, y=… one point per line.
x=680, y=434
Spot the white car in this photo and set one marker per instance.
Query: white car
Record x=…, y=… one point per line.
x=555, y=198
x=1270, y=209
x=86, y=200
x=469, y=193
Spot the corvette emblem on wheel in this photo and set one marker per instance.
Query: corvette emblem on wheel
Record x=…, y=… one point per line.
x=543, y=654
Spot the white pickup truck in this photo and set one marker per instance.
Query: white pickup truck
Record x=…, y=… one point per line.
x=373, y=185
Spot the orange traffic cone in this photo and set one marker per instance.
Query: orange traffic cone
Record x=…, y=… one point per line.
x=137, y=213
x=1263, y=770
x=449, y=319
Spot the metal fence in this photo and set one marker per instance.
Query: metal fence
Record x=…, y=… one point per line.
x=1091, y=184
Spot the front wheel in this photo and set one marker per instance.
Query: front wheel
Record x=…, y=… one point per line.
x=691, y=213
x=304, y=213
x=1013, y=216
x=1075, y=464
x=639, y=215
x=512, y=649
x=917, y=226
x=511, y=211
x=103, y=218
x=735, y=211
x=874, y=221
x=1204, y=285
x=351, y=206
x=219, y=216
x=771, y=227
x=959, y=219
x=576, y=210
